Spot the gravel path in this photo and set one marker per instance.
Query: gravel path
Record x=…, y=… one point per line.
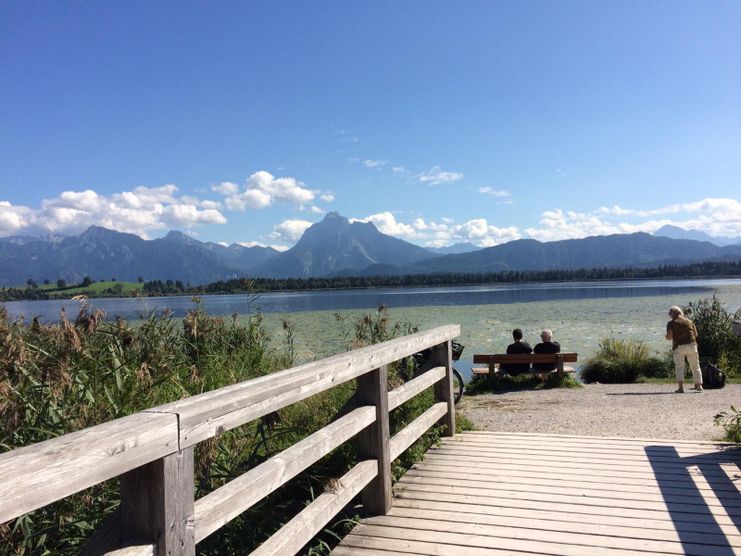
x=649, y=411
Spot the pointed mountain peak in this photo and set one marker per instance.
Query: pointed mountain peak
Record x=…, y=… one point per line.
x=174, y=235
x=99, y=232
x=333, y=219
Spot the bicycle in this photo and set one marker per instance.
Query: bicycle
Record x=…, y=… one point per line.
x=422, y=364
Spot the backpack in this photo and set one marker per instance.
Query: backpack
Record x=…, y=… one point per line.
x=712, y=377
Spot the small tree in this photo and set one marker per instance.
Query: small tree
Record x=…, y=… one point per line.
x=46, y=281
x=140, y=280
x=715, y=338
x=61, y=283
x=86, y=281
x=31, y=283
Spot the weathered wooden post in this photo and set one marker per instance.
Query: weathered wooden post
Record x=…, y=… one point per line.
x=374, y=440
x=157, y=504
x=442, y=356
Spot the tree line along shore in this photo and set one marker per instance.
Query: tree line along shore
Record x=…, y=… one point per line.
x=60, y=289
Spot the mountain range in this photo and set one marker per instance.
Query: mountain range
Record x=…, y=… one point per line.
x=333, y=247
x=104, y=254
x=675, y=232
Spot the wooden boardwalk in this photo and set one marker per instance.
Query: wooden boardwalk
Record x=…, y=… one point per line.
x=486, y=493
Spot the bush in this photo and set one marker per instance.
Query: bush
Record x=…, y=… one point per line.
x=731, y=422
x=623, y=361
x=506, y=383
x=716, y=341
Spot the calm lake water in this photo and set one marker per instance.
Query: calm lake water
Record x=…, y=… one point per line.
x=579, y=313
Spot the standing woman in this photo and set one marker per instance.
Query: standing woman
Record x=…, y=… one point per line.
x=683, y=334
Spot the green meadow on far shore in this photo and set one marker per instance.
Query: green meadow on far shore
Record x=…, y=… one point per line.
x=126, y=288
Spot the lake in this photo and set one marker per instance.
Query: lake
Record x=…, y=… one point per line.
x=579, y=313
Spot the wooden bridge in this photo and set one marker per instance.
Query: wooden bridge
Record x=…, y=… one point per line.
x=476, y=493
x=483, y=493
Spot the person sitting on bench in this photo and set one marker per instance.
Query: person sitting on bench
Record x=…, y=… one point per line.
x=517, y=347
x=546, y=346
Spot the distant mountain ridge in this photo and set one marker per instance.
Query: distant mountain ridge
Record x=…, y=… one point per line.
x=612, y=251
x=104, y=254
x=675, y=232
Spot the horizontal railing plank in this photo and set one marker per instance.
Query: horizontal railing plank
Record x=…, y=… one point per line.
x=300, y=530
x=217, y=508
x=37, y=475
x=211, y=413
x=407, y=391
x=136, y=550
x=409, y=434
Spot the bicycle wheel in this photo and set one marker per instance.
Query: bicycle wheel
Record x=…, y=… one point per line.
x=458, y=387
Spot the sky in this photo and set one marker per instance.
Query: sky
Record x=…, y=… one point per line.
x=441, y=122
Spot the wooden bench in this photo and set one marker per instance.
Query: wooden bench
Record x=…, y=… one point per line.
x=495, y=361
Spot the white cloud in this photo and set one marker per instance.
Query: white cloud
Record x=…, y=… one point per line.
x=494, y=192
x=289, y=230
x=714, y=216
x=211, y=205
x=327, y=197
x=226, y=188
x=504, y=197
x=437, y=175
x=316, y=210
x=375, y=163
x=262, y=189
x=400, y=170
x=190, y=215
x=13, y=218
x=446, y=232
x=387, y=224
x=139, y=211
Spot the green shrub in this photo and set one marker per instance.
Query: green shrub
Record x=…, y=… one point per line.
x=731, y=422
x=504, y=383
x=622, y=361
x=716, y=341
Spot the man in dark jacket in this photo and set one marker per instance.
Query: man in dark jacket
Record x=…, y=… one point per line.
x=518, y=347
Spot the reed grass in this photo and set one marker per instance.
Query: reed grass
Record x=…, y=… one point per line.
x=82, y=371
x=623, y=361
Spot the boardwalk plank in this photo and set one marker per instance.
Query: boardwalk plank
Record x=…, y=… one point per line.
x=519, y=474
x=516, y=479
x=542, y=534
x=658, y=524
x=583, y=508
x=560, y=523
x=452, y=541
x=570, y=465
x=635, y=454
x=492, y=488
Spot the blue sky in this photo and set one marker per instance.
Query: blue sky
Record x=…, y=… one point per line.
x=439, y=121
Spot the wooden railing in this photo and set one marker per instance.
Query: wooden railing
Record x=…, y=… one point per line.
x=152, y=453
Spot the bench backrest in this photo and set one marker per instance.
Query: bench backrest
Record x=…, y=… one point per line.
x=524, y=358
